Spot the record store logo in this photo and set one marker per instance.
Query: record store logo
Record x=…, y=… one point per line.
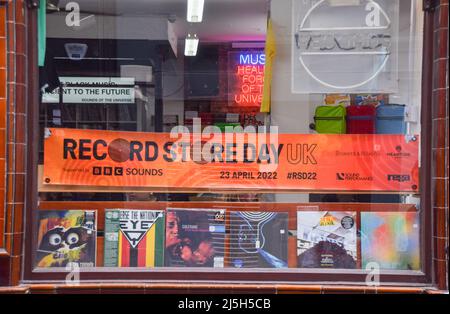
x=367, y=37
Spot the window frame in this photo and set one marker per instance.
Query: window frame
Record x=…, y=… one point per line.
x=230, y=275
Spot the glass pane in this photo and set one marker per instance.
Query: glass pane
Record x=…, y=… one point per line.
x=281, y=136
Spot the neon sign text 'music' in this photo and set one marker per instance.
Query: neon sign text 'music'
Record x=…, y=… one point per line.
x=247, y=77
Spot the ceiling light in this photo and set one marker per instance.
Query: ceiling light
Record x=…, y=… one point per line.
x=191, y=45
x=195, y=11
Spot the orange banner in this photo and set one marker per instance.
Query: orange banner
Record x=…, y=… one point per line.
x=297, y=162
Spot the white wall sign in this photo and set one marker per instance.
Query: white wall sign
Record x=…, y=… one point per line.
x=94, y=90
x=344, y=46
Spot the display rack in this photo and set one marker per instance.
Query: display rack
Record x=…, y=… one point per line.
x=290, y=208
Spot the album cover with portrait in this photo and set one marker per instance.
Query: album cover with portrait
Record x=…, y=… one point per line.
x=326, y=239
x=258, y=239
x=195, y=238
x=67, y=237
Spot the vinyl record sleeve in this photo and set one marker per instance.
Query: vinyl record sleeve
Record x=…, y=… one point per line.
x=326, y=239
x=67, y=237
x=195, y=238
x=258, y=239
x=391, y=240
x=134, y=238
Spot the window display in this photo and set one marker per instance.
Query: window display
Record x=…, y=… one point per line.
x=158, y=162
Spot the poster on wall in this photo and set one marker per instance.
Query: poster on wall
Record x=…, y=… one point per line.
x=134, y=238
x=93, y=90
x=258, y=239
x=390, y=240
x=67, y=237
x=195, y=238
x=300, y=162
x=345, y=46
x=326, y=239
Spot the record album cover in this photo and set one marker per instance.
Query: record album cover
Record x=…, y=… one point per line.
x=134, y=238
x=326, y=239
x=258, y=239
x=66, y=237
x=390, y=239
x=195, y=238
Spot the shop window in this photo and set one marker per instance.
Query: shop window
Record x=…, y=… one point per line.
x=148, y=167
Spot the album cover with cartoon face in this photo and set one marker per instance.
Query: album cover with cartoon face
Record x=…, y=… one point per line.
x=134, y=238
x=258, y=240
x=67, y=237
x=326, y=239
x=195, y=238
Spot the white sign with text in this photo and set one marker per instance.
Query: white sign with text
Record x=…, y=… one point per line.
x=345, y=46
x=93, y=90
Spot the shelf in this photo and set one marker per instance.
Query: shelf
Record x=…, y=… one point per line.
x=290, y=208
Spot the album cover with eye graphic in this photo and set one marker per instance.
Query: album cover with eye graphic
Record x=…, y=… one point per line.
x=67, y=236
x=134, y=238
x=326, y=239
x=195, y=238
x=258, y=240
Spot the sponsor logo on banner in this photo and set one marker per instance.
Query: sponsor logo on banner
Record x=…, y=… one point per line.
x=399, y=153
x=342, y=176
x=399, y=177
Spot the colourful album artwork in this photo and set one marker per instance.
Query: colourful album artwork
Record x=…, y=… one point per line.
x=369, y=99
x=326, y=239
x=66, y=237
x=337, y=99
x=195, y=238
x=391, y=240
x=134, y=238
x=258, y=239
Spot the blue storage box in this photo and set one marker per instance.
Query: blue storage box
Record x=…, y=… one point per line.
x=390, y=119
